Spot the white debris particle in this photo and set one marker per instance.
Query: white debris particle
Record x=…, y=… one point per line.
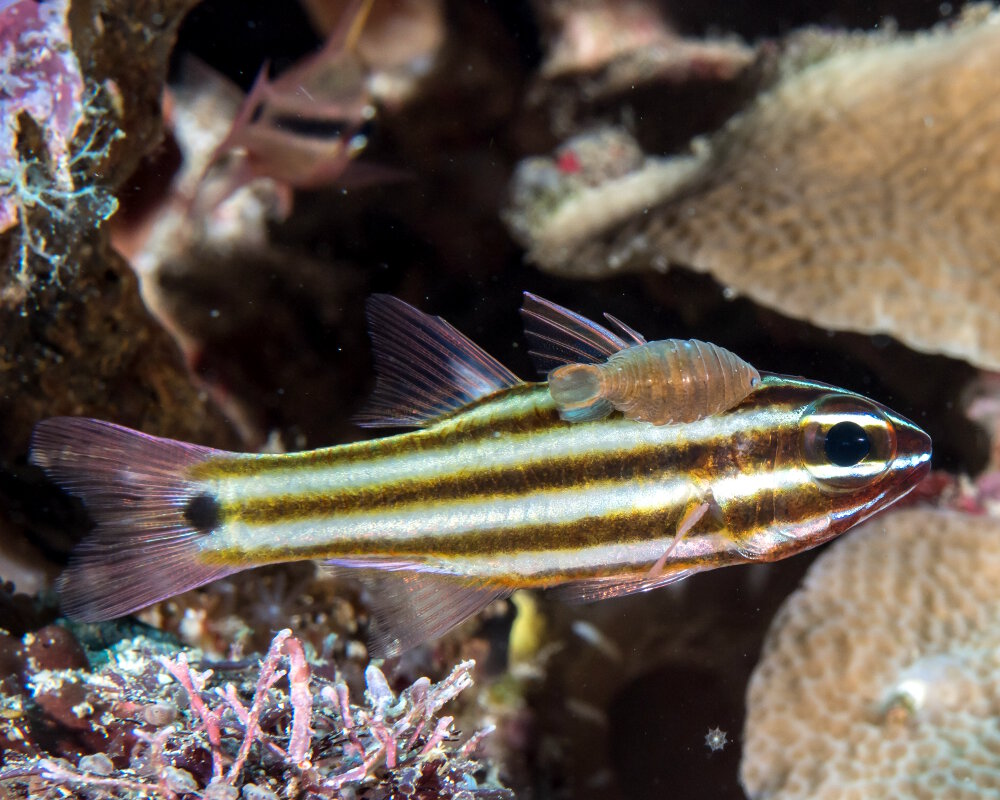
x=82, y=710
x=715, y=739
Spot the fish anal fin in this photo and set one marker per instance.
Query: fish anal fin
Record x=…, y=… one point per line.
x=411, y=607
x=424, y=367
x=588, y=590
x=151, y=520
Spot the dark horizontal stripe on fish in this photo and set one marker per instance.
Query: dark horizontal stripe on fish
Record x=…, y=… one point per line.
x=524, y=408
x=619, y=527
x=570, y=473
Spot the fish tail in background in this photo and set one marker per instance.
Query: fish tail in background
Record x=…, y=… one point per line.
x=151, y=519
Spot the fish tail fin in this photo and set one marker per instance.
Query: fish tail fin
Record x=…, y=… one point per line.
x=151, y=517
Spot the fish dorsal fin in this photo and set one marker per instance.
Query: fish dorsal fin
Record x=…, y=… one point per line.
x=411, y=607
x=425, y=368
x=590, y=589
x=630, y=332
x=559, y=336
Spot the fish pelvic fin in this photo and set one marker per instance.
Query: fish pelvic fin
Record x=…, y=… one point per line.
x=588, y=590
x=150, y=518
x=425, y=368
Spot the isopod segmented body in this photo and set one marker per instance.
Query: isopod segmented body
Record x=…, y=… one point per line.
x=592, y=371
x=674, y=380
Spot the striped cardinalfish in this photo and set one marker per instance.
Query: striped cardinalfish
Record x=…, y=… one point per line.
x=492, y=492
x=672, y=380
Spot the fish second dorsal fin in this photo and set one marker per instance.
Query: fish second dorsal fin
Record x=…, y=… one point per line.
x=425, y=368
x=559, y=336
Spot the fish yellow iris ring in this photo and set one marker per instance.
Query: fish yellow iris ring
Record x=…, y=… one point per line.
x=845, y=442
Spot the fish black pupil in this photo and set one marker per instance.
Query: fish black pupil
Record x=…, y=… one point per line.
x=202, y=513
x=846, y=444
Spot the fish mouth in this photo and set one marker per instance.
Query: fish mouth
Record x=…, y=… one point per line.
x=913, y=457
x=905, y=472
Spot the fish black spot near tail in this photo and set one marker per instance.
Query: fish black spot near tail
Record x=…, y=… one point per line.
x=202, y=513
x=152, y=520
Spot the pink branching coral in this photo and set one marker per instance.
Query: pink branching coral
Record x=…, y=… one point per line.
x=170, y=730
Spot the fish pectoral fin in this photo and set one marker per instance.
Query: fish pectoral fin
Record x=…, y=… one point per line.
x=425, y=368
x=750, y=549
x=559, y=336
x=691, y=518
x=410, y=607
x=590, y=589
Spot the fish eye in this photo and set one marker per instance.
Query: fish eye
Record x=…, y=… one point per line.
x=846, y=441
x=846, y=444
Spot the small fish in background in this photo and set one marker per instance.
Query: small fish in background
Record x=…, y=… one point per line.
x=493, y=492
x=673, y=380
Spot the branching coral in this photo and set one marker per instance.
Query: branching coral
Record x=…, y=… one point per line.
x=880, y=677
x=860, y=192
x=150, y=725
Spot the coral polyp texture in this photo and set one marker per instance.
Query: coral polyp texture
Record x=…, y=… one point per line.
x=859, y=192
x=161, y=726
x=880, y=676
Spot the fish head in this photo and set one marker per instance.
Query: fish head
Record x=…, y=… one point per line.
x=837, y=458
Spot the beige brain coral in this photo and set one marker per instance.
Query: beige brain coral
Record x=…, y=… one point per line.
x=860, y=192
x=880, y=676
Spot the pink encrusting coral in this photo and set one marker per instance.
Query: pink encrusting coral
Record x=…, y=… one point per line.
x=39, y=76
x=50, y=184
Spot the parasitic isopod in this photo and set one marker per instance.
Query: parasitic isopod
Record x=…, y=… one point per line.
x=662, y=382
